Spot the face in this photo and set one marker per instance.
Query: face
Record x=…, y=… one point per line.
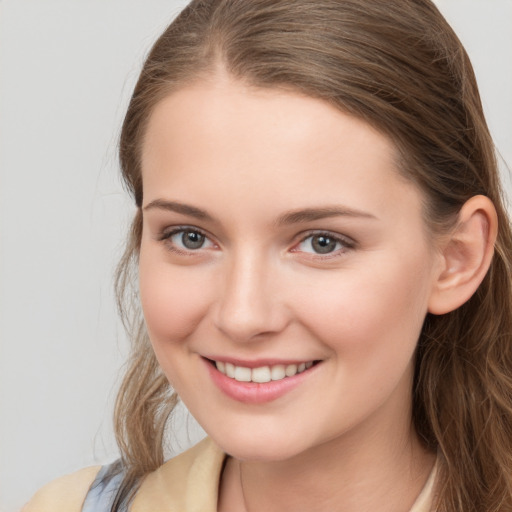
x=285, y=268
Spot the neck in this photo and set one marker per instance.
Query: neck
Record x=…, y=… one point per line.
x=337, y=480
x=368, y=470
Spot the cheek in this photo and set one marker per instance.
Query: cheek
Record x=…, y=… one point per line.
x=174, y=299
x=373, y=315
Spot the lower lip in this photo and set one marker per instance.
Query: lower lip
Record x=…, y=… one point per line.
x=255, y=392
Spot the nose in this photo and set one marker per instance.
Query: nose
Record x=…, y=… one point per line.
x=249, y=305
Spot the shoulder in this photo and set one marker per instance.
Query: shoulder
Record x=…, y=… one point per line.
x=66, y=494
x=188, y=481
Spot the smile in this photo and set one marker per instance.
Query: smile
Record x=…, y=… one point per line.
x=254, y=382
x=261, y=374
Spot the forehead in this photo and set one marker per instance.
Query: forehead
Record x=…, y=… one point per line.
x=220, y=138
x=218, y=106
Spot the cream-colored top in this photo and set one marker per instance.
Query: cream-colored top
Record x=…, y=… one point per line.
x=186, y=483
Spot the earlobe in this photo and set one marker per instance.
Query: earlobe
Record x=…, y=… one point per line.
x=465, y=256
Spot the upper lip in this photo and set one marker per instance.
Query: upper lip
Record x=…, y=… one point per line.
x=257, y=363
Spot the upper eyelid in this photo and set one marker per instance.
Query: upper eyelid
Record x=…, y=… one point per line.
x=164, y=237
x=172, y=230
x=347, y=243
x=337, y=236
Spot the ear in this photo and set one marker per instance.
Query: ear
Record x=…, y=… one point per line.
x=466, y=255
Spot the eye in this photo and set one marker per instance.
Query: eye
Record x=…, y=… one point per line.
x=189, y=239
x=323, y=243
x=186, y=239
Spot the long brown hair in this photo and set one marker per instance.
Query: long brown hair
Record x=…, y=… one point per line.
x=399, y=66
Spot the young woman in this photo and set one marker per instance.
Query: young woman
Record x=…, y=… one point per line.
x=322, y=260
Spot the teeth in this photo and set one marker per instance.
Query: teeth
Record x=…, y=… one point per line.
x=290, y=370
x=277, y=372
x=242, y=374
x=263, y=373
x=230, y=370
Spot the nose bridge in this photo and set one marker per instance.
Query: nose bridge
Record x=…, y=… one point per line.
x=247, y=306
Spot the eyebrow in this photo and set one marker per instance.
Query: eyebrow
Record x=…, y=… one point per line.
x=185, y=209
x=291, y=217
x=312, y=214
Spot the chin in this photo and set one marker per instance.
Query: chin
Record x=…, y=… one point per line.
x=259, y=447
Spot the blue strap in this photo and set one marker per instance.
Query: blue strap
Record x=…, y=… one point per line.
x=103, y=490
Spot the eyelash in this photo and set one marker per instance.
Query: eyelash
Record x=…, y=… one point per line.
x=345, y=242
x=166, y=236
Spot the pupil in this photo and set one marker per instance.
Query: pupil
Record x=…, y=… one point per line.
x=323, y=244
x=192, y=239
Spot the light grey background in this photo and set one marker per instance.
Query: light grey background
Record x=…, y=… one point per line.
x=67, y=68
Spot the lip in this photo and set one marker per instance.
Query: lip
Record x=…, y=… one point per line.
x=254, y=392
x=256, y=363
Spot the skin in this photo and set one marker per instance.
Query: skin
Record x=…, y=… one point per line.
x=257, y=290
